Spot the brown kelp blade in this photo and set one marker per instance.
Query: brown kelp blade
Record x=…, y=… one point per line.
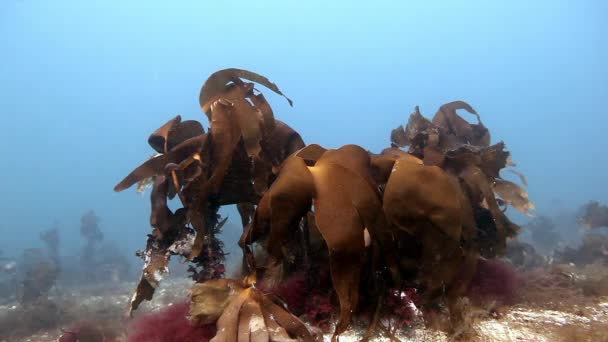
x=210, y=298
x=287, y=200
x=493, y=159
x=156, y=267
x=293, y=325
x=343, y=231
x=156, y=165
x=143, y=291
x=216, y=84
x=454, y=124
x=183, y=131
x=417, y=130
x=450, y=108
x=514, y=195
x=228, y=323
x=521, y=176
x=250, y=122
x=399, y=137
x=281, y=143
x=257, y=325
x=158, y=139
x=251, y=323
x=311, y=153
x=275, y=331
x=259, y=101
x=417, y=193
x=243, y=314
x=226, y=136
x=160, y=217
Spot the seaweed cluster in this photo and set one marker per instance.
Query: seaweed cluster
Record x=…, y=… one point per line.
x=594, y=215
x=99, y=263
x=40, y=270
x=362, y=227
x=594, y=248
x=544, y=234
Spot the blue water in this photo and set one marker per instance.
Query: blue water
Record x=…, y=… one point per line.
x=83, y=83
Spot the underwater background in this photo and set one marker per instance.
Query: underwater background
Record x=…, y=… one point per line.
x=83, y=84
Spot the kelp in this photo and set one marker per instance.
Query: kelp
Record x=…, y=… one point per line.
x=244, y=313
x=347, y=205
x=465, y=151
x=524, y=256
x=513, y=195
x=207, y=170
x=177, y=144
x=156, y=263
x=428, y=204
x=594, y=215
x=455, y=127
x=593, y=249
x=356, y=223
x=216, y=84
x=544, y=234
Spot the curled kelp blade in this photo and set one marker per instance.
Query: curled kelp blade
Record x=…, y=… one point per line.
x=250, y=114
x=514, y=195
x=158, y=139
x=183, y=131
x=156, y=165
x=146, y=183
x=453, y=124
x=216, y=84
x=447, y=113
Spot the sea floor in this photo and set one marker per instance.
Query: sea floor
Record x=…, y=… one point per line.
x=556, y=315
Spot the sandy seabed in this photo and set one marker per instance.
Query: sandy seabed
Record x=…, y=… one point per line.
x=567, y=317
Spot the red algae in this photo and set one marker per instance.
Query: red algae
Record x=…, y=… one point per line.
x=292, y=290
x=87, y=331
x=402, y=305
x=319, y=311
x=171, y=324
x=495, y=280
